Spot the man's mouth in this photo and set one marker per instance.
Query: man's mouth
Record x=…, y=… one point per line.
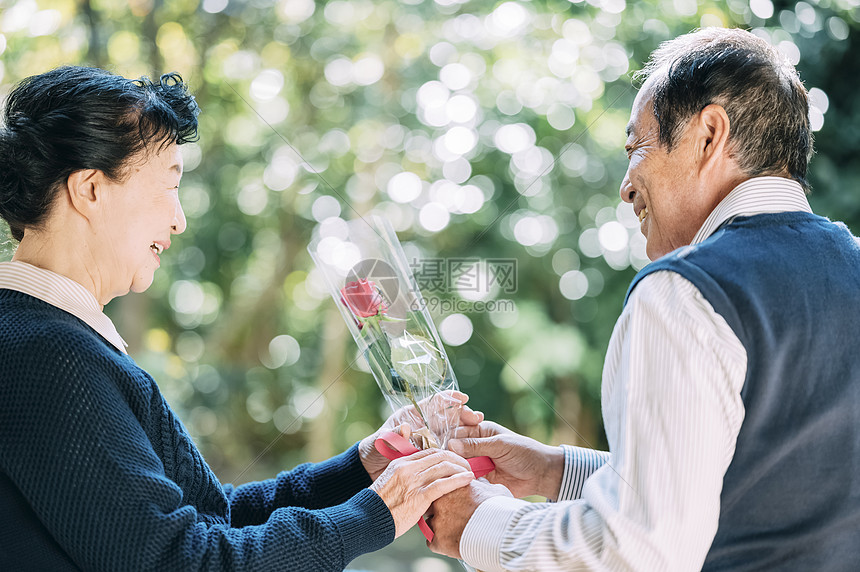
x=643, y=213
x=156, y=248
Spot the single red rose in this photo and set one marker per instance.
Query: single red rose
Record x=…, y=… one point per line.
x=362, y=298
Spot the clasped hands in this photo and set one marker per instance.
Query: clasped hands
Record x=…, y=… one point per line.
x=439, y=484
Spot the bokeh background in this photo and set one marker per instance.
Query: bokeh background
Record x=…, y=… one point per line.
x=482, y=130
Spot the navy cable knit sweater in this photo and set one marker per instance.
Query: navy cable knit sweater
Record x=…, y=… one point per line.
x=97, y=472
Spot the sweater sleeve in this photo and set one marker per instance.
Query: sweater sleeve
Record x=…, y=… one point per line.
x=73, y=447
x=310, y=485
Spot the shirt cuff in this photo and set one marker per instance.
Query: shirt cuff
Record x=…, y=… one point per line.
x=481, y=542
x=579, y=464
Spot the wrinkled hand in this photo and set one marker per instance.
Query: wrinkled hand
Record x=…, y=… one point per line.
x=374, y=463
x=523, y=465
x=450, y=514
x=410, y=484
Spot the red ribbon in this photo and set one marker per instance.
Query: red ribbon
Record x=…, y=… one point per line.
x=393, y=446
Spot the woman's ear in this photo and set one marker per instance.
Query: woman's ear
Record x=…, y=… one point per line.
x=83, y=188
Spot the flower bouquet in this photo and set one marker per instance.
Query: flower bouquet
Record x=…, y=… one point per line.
x=369, y=278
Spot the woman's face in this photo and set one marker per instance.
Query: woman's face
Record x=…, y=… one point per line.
x=139, y=215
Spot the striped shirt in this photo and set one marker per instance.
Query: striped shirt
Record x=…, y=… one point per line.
x=61, y=292
x=653, y=503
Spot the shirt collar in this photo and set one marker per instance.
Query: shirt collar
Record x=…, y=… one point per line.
x=755, y=196
x=61, y=292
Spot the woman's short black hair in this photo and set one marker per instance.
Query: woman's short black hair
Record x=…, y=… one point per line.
x=73, y=118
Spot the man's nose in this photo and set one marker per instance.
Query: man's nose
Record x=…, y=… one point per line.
x=626, y=191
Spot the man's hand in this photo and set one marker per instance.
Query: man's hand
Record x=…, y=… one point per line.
x=374, y=463
x=523, y=465
x=449, y=514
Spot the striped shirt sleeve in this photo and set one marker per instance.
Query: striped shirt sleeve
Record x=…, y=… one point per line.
x=579, y=464
x=672, y=411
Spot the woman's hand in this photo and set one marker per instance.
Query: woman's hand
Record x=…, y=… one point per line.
x=525, y=466
x=409, y=485
x=373, y=461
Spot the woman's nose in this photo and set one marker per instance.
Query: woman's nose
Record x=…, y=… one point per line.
x=179, y=222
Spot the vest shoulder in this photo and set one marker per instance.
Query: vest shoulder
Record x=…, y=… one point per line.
x=778, y=246
x=745, y=241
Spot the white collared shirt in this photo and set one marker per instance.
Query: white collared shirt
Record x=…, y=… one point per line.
x=672, y=411
x=62, y=292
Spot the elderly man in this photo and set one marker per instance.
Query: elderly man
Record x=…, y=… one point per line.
x=731, y=387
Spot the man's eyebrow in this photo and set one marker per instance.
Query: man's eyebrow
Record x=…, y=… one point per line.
x=176, y=168
x=629, y=129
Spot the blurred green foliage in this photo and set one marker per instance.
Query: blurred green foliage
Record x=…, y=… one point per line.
x=511, y=117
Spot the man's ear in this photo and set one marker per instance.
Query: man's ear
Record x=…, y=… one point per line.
x=712, y=131
x=84, y=190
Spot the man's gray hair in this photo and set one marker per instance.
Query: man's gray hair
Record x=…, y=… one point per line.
x=760, y=90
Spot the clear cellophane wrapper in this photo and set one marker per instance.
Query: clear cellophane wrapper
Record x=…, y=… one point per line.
x=369, y=278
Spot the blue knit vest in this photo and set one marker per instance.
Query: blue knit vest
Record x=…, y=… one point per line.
x=788, y=285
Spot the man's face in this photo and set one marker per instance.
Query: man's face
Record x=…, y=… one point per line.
x=663, y=187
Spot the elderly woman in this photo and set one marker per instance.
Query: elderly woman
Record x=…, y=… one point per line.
x=96, y=471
